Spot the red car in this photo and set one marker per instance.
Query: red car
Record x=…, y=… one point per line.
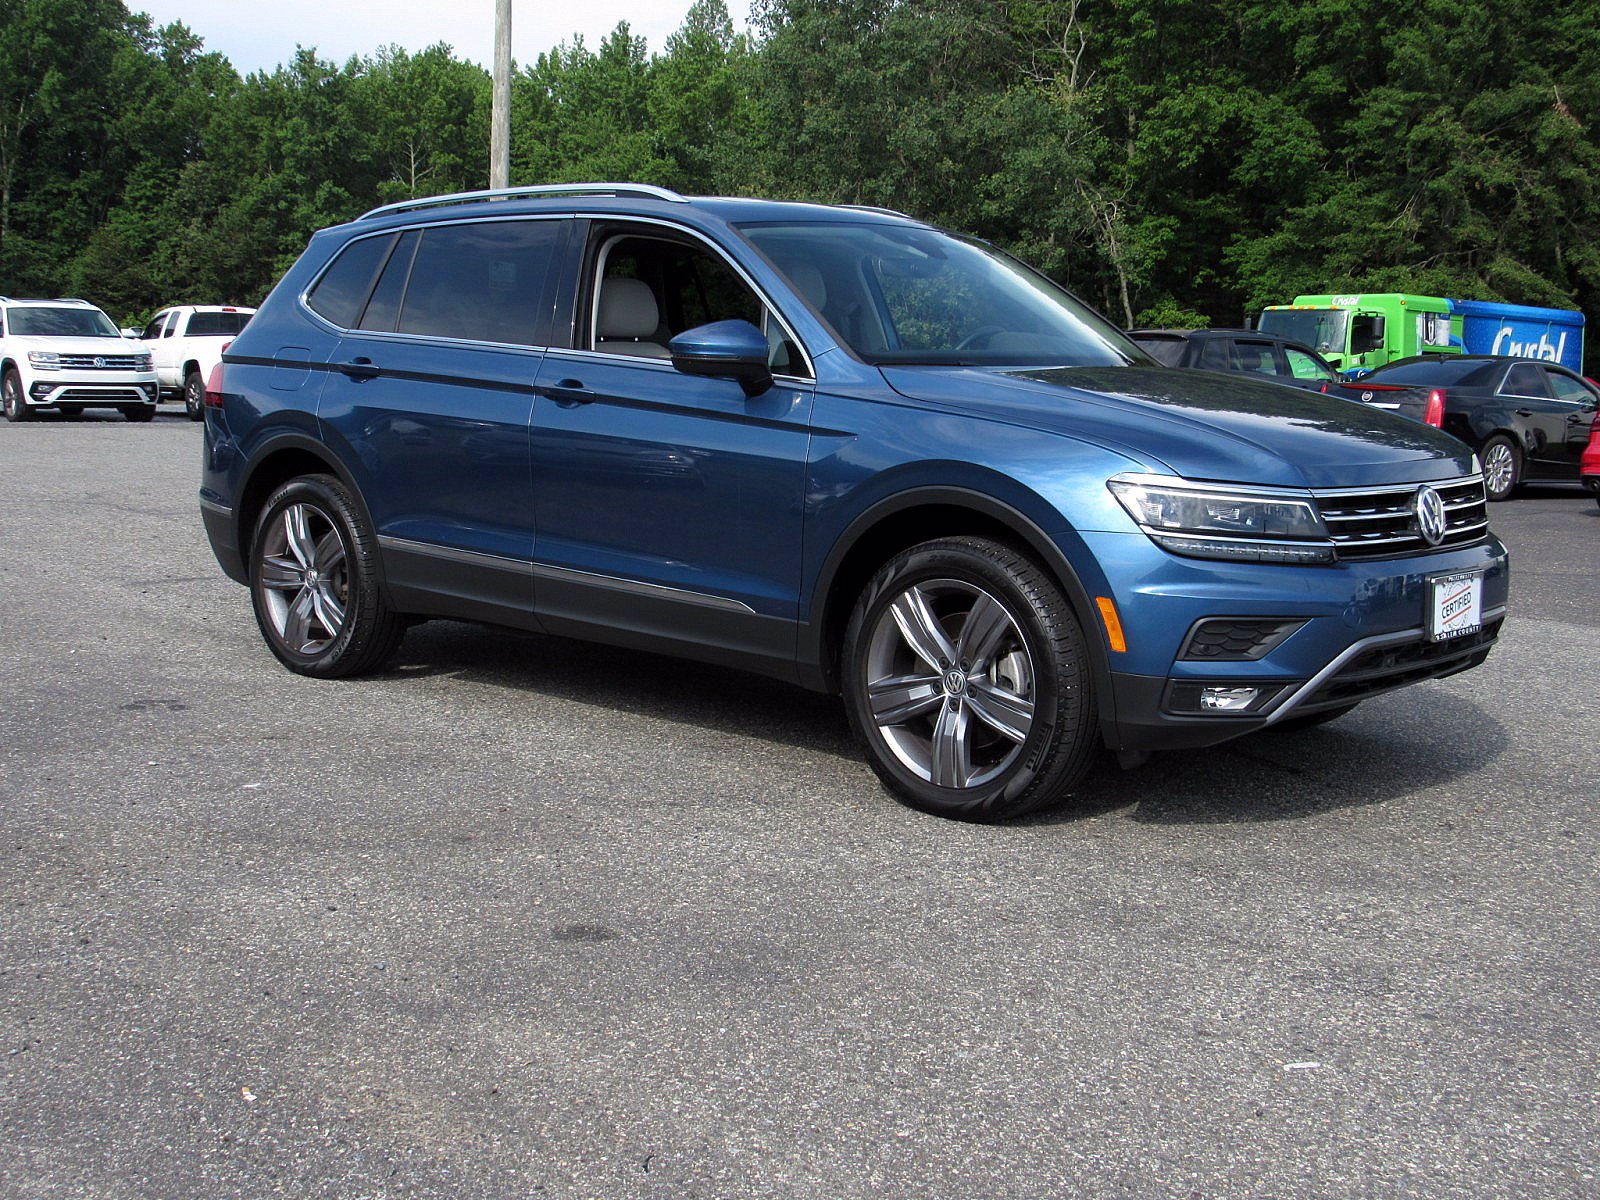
x=1589, y=464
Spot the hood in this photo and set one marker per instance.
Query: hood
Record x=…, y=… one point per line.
x=105, y=346
x=1200, y=424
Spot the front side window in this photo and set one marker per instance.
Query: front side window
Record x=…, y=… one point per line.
x=1303, y=366
x=650, y=289
x=153, y=330
x=899, y=295
x=1569, y=389
x=62, y=322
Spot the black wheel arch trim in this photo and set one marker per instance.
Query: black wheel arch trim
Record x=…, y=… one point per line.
x=817, y=666
x=274, y=444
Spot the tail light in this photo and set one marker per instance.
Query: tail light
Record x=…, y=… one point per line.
x=214, y=388
x=1434, y=413
x=1323, y=389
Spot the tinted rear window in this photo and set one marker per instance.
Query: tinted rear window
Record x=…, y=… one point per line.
x=342, y=291
x=1165, y=350
x=1442, y=372
x=481, y=281
x=217, y=324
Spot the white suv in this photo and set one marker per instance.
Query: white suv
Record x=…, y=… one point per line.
x=69, y=356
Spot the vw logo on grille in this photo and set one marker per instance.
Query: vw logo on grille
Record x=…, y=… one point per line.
x=99, y=362
x=1430, y=515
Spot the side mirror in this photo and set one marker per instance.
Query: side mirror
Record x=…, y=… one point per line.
x=724, y=350
x=1366, y=333
x=131, y=333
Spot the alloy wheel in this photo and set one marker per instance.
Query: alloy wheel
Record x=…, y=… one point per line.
x=304, y=574
x=1499, y=468
x=950, y=683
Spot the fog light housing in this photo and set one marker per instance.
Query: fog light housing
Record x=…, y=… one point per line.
x=1223, y=697
x=40, y=389
x=1228, y=699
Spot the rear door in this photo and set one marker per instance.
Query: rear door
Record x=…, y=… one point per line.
x=1526, y=394
x=429, y=398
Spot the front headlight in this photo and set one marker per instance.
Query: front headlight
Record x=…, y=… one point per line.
x=1212, y=521
x=44, y=360
x=143, y=362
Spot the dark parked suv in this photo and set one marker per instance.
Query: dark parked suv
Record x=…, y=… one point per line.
x=1244, y=350
x=841, y=448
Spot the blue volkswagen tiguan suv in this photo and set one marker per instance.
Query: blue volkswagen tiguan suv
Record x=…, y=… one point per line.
x=839, y=447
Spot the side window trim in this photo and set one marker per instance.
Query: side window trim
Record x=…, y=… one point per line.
x=587, y=294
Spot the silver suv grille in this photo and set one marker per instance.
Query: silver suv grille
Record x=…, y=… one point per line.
x=1382, y=522
x=99, y=362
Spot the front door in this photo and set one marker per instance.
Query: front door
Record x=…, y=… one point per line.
x=668, y=507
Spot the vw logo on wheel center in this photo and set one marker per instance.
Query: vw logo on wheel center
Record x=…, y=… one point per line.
x=1430, y=515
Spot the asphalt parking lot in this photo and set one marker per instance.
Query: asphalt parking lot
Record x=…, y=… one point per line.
x=523, y=917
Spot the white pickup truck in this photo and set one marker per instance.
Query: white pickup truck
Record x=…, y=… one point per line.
x=186, y=341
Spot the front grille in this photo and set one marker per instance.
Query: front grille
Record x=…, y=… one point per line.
x=1384, y=668
x=1382, y=522
x=100, y=362
x=1235, y=639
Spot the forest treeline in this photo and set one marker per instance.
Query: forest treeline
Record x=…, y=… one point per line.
x=1175, y=161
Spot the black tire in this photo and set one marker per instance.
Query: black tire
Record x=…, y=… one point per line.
x=292, y=609
x=1498, y=482
x=1311, y=720
x=11, y=398
x=1038, y=658
x=194, y=395
x=140, y=412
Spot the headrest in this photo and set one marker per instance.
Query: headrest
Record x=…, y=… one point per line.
x=809, y=283
x=627, y=309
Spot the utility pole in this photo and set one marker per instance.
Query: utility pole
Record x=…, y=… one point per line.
x=500, y=118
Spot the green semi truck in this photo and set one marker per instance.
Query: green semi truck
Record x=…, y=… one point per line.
x=1359, y=332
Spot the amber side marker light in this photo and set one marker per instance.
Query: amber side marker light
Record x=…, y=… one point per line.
x=1113, y=624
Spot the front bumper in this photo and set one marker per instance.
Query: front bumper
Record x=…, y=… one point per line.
x=103, y=389
x=1360, y=633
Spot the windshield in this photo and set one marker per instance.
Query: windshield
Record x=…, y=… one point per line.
x=62, y=322
x=894, y=295
x=1320, y=328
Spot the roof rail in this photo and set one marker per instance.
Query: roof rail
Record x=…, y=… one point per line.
x=549, y=189
x=878, y=208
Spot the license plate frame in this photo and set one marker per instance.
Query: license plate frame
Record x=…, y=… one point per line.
x=1454, y=606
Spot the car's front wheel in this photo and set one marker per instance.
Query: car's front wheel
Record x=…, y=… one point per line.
x=966, y=678
x=139, y=412
x=11, y=398
x=314, y=581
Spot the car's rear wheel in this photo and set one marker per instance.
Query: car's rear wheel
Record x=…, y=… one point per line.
x=11, y=398
x=194, y=395
x=1502, y=467
x=314, y=582
x=966, y=678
